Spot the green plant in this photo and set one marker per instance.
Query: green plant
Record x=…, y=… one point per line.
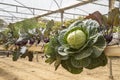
x=76, y=47
x=107, y=22
x=23, y=33
x=76, y=39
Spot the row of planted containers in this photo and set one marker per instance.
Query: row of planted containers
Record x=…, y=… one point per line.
x=81, y=43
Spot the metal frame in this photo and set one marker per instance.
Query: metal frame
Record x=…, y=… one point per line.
x=12, y=17
x=61, y=11
x=66, y=8
x=49, y=12
x=33, y=9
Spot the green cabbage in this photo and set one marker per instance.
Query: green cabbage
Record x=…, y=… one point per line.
x=76, y=39
x=77, y=47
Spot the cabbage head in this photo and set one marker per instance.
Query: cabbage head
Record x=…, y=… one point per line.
x=76, y=47
x=76, y=39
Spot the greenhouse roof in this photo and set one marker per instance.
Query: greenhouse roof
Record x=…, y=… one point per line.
x=16, y=10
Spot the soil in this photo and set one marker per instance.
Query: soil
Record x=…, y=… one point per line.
x=25, y=70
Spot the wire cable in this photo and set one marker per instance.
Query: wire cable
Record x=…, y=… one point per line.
x=50, y=5
x=82, y=10
x=24, y=6
x=61, y=3
x=8, y=13
x=57, y=4
x=58, y=8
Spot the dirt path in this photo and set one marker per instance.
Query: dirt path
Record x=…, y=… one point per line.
x=24, y=70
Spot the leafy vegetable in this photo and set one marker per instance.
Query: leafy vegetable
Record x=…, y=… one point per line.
x=76, y=39
x=106, y=22
x=24, y=34
x=77, y=47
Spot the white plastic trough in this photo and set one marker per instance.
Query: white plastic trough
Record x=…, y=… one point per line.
x=112, y=50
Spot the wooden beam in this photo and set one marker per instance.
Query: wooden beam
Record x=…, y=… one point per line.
x=66, y=8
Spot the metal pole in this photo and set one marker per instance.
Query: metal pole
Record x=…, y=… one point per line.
x=66, y=8
x=12, y=19
x=119, y=4
x=111, y=4
x=62, y=12
x=16, y=9
x=110, y=69
x=33, y=11
x=119, y=27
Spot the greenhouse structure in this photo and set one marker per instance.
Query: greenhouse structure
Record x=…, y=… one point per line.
x=59, y=39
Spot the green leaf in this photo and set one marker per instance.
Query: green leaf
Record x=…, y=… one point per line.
x=73, y=51
x=76, y=23
x=92, y=27
x=57, y=63
x=101, y=43
x=50, y=60
x=84, y=54
x=61, y=37
x=62, y=54
x=80, y=63
x=104, y=20
x=52, y=47
x=48, y=28
x=16, y=55
x=54, y=41
x=61, y=51
x=50, y=24
x=96, y=62
x=112, y=14
x=116, y=20
x=70, y=51
x=68, y=66
x=95, y=38
x=49, y=50
x=98, y=46
x=64, y=57
x=96, y=52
